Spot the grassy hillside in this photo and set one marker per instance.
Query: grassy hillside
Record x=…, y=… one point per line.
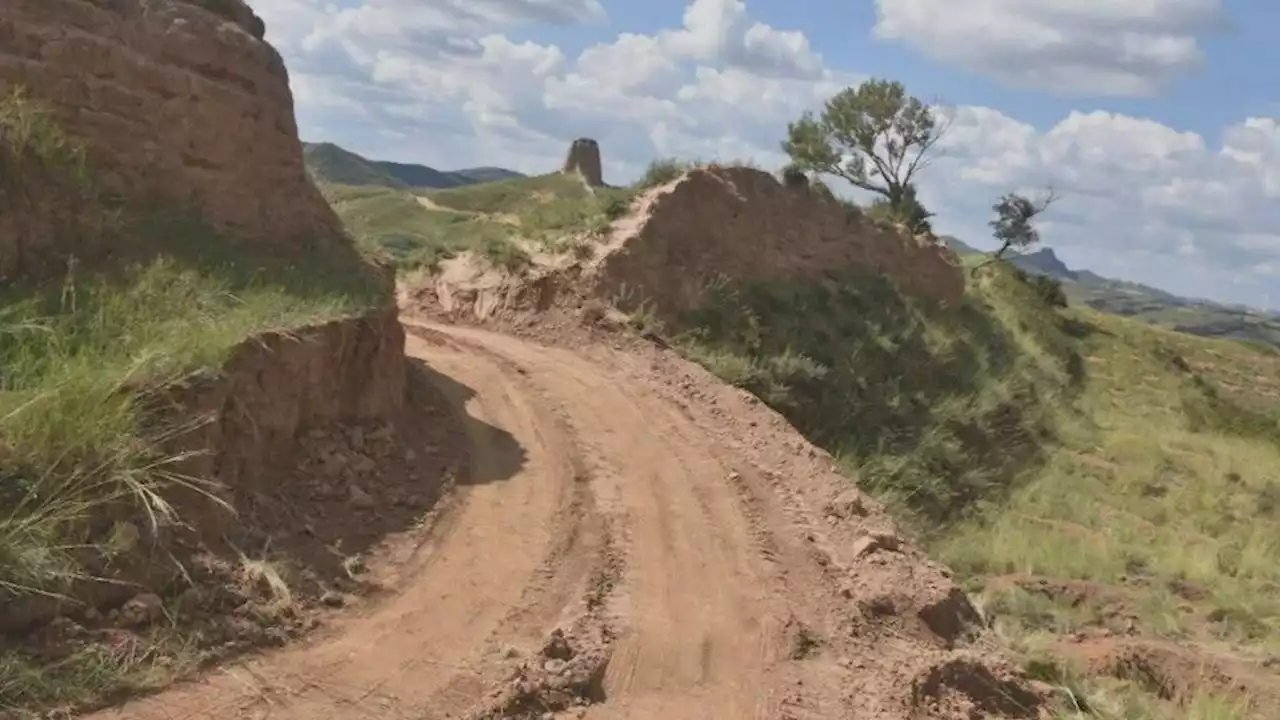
x=78, y=354
x=329, y=164
x=504, y=221
x=1111, y=490
x=1147, y=304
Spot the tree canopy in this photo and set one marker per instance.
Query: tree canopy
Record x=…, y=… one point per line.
x=874, y=136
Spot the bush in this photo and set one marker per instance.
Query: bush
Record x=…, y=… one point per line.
x=1049, y=289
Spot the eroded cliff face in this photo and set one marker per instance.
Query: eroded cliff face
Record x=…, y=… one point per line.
x=182, y=99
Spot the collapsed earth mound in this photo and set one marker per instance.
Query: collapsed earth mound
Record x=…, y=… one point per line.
x=671, y=245
x=583, y=159
x=181, y=100
x=742, y=224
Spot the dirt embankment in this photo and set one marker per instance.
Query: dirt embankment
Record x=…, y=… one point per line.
x=180, y=99
x=743, y=225
x=251, y=443
x=678, y=241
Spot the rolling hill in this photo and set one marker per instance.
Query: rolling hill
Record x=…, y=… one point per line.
x=331, y=164
x=1148, y=304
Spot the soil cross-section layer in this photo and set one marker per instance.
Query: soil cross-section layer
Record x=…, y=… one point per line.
x=631, y=539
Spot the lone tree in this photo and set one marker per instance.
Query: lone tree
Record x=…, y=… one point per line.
x=1012, y=226
x=875, y=136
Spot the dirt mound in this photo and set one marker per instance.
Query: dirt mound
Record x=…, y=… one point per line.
x=966, y=689
x=182, y=99
x=744, y=225
x=1176, y=672
x=679, y=241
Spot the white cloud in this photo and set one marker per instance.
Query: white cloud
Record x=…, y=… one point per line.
x=721, y=30
x=1140, y=199
x=1103, y=47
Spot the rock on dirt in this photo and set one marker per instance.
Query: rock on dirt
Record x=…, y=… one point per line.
x=142, y=610
x=566, y=674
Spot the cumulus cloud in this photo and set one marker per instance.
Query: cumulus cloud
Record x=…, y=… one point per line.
x=721, y=30
x=1195, y=214
x=1099, y=47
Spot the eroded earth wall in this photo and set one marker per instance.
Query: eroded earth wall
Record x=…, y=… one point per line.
x=180, y=98
x=744, y=225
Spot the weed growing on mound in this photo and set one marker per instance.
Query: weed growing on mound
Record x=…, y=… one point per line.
x=396, y=223
x=664, y=170
x=937, y=410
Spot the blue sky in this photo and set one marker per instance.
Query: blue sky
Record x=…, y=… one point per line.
x=1155, y=118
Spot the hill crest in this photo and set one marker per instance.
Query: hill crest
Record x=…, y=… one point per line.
x=328, y=163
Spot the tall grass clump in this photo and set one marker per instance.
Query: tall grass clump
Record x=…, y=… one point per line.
x=662, y=171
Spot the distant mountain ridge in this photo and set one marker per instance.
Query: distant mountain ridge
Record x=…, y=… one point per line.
x=333, y=164
x=1143, y=302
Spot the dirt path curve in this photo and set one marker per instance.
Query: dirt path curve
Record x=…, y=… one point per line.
x=594, y=491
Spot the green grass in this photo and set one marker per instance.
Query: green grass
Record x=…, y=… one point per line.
x=494, y=219
x=663, y=170
x=329, y=164
x=939, y=411
x=545, y=209
x=411, y=235
x=1019, y=438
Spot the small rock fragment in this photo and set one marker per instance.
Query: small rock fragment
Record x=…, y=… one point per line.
x=143, y=609
x=868, y=544
x=361, y=499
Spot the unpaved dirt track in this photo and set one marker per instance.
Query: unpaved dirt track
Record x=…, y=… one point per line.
x=593, y=491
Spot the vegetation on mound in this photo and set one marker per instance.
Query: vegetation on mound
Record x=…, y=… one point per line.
x=1094, y=477
x=940, y=410
x=502, y=221
x=78, y=354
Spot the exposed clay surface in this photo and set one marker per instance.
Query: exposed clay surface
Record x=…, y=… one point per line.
x=679, y=240
x=744, y=225
x=631, y=539
x=178, y=98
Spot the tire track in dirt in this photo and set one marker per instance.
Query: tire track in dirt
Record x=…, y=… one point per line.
x=699, y=616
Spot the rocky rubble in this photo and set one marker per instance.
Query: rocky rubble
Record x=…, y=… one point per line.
x=564, y=677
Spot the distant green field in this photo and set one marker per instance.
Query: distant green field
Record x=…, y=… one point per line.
x=495, y=219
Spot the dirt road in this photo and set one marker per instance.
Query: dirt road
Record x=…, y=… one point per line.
x=679, y=532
